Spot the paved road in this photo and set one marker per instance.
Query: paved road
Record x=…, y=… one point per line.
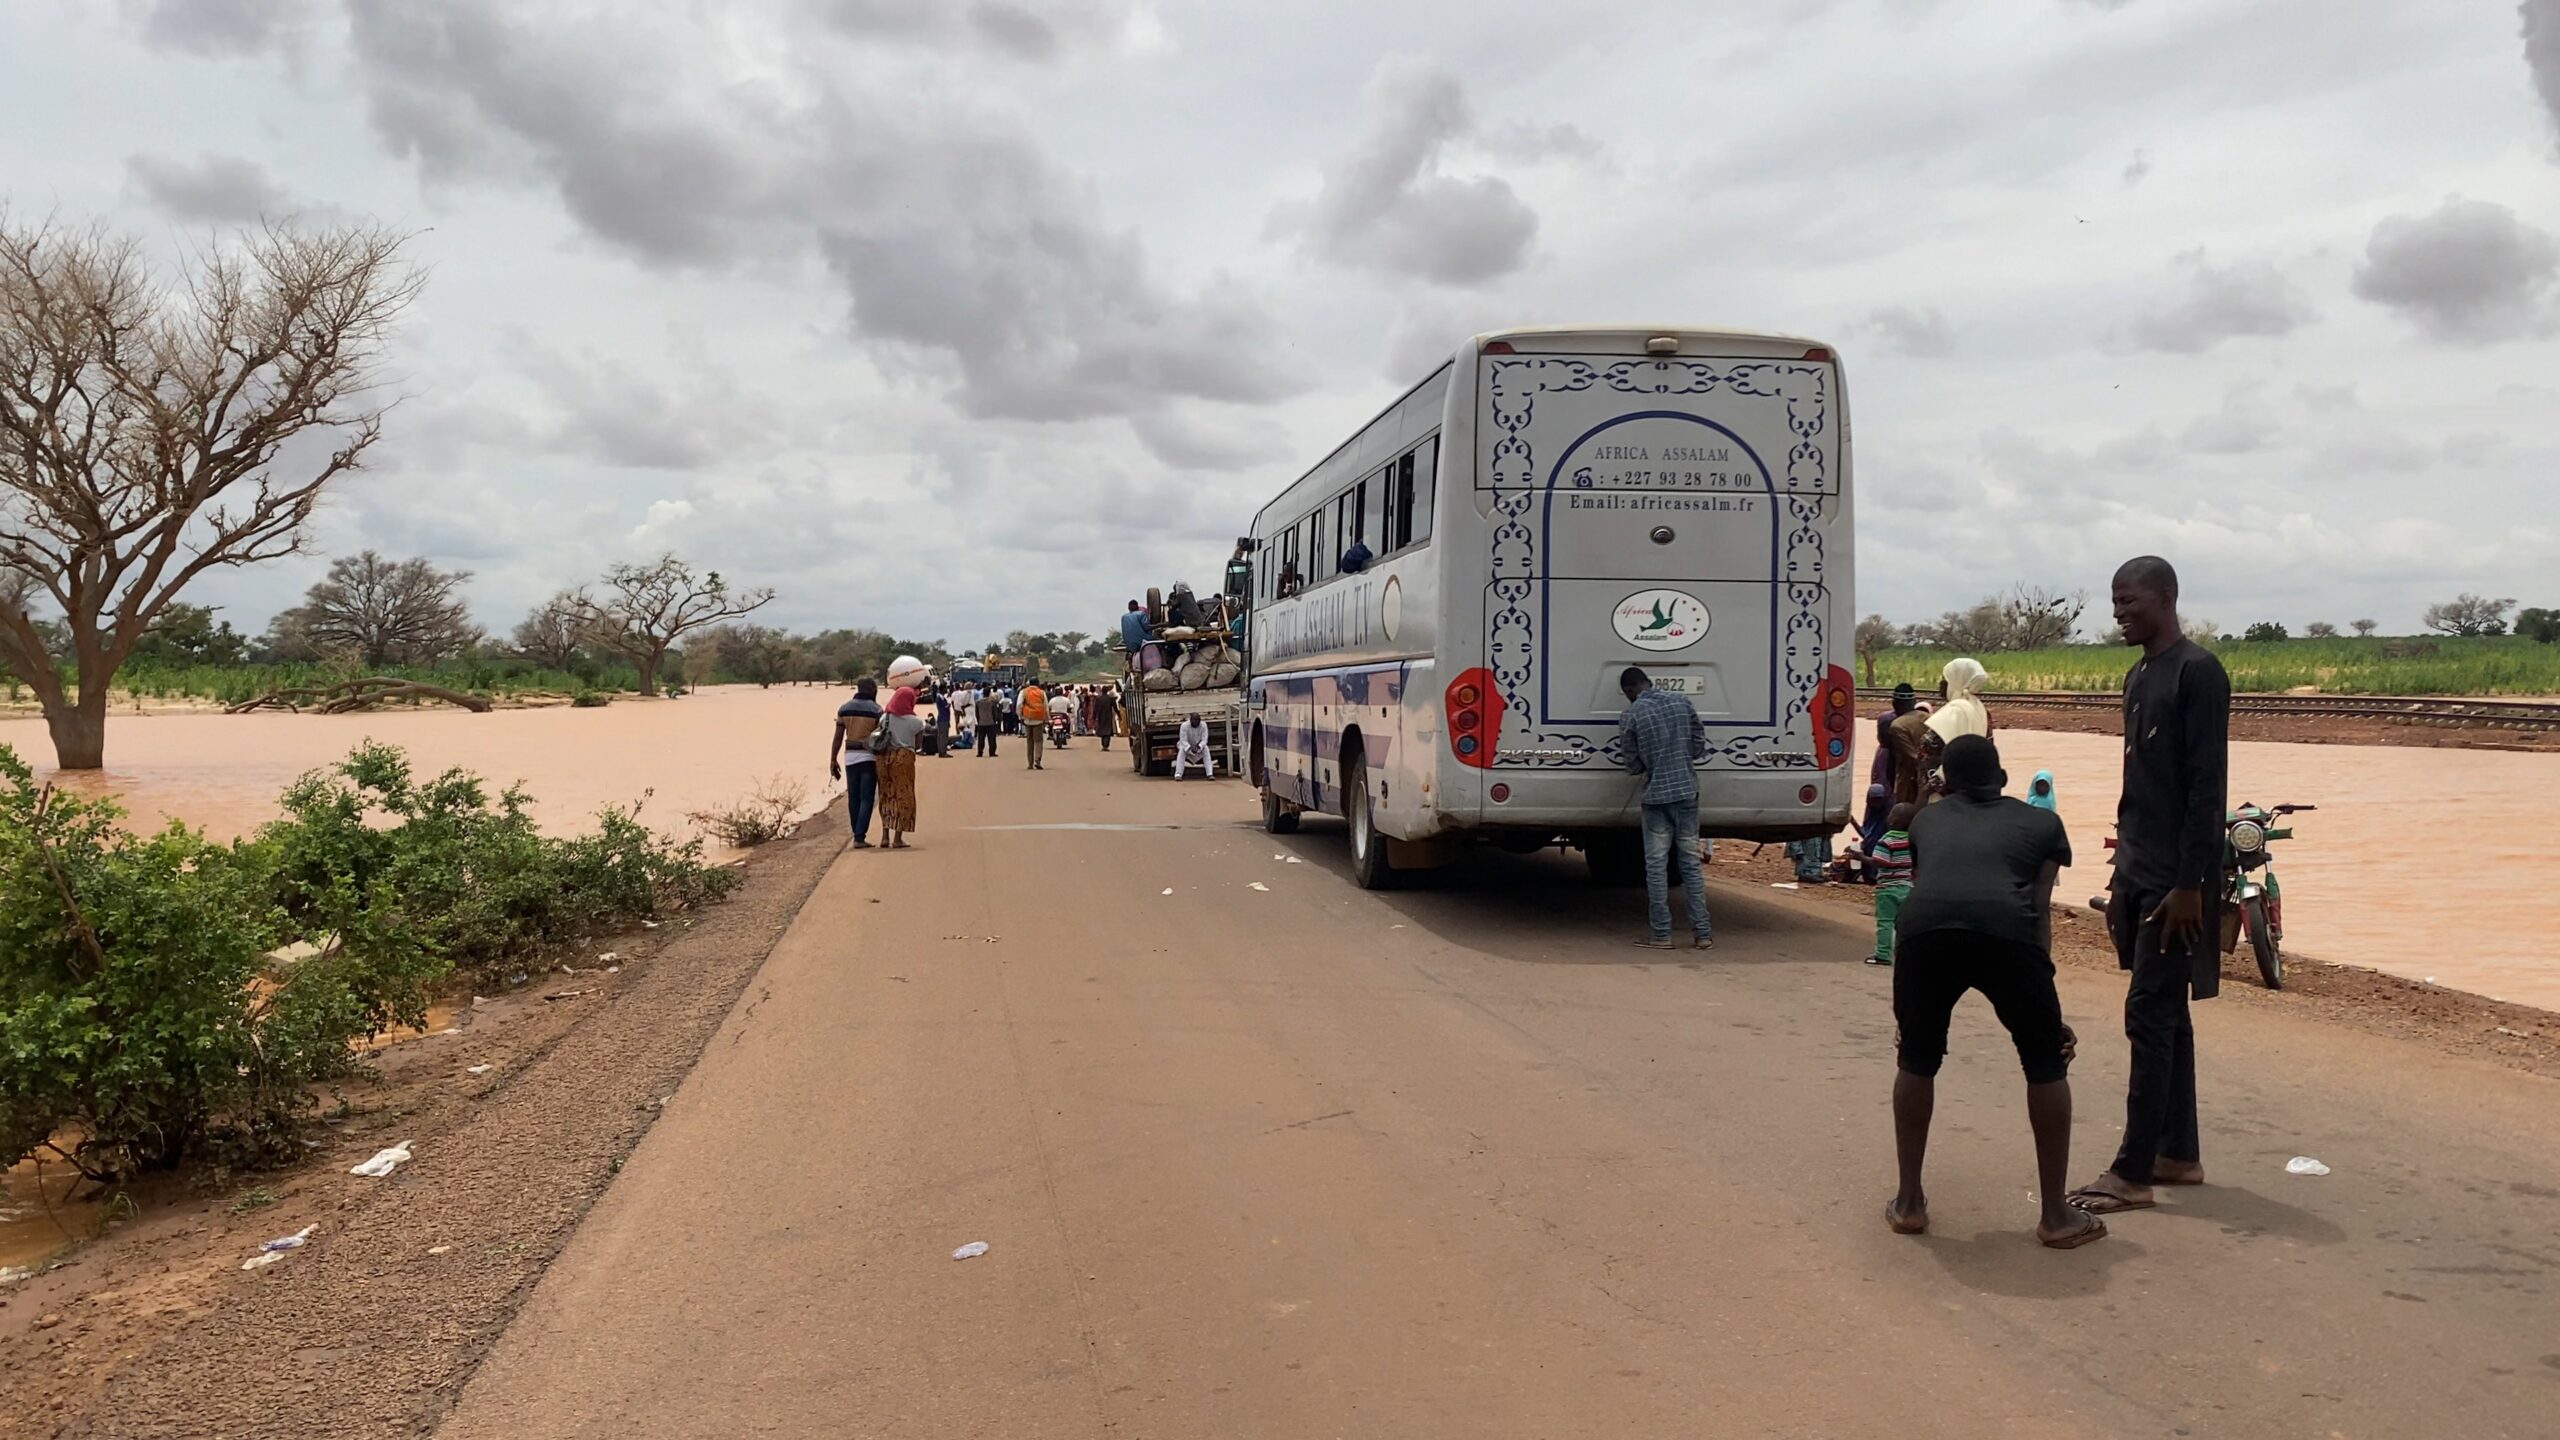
x=1457, y=1162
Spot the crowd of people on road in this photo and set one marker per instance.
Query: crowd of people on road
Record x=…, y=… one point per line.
x=876, y=744
x=1964, y=876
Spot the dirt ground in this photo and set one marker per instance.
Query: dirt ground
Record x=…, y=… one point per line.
x=2302, y=730
x=371, y=1328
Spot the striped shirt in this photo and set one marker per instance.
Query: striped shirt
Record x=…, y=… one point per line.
x=1892, y=859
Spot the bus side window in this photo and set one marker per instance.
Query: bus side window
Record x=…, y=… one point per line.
x=1360, y=511
x=1425, y=461
x=1400, y=533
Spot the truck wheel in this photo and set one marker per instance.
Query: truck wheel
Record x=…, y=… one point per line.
x=1277, y=817
x=1616, y=857
x=1369, y=864
x=2262, y=941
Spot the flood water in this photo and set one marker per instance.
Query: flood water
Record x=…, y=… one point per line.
x=2422, y=862
x=2425, y=863
x=222, y=773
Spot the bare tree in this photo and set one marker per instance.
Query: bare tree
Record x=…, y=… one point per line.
x=555, y=632
x=2203, y=632
x=151, y=430
x=645, y=609
x=1875, y=635
x=2468, y=614
x=2361, y=627
x=2320, y=630
x=2028, y=617
x=387, y=612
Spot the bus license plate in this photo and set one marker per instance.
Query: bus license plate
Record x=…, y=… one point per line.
x=1681, y=684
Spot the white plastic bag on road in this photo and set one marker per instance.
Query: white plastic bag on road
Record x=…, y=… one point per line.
x=970, y=1251
x=2304, y=1165
x=383, y=1162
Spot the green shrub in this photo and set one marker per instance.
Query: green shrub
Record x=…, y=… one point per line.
x=163, y=994
x=590, y=700
x=126, y=968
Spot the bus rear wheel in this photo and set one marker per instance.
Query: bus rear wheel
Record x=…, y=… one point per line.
x=1369, y=863
x=1616, y=857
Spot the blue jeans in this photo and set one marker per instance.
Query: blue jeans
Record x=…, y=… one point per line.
x=1811, y=857
x=1672, y=830
x=861, y=795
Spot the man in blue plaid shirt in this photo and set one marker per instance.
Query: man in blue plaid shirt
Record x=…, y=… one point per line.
x=1659, y=738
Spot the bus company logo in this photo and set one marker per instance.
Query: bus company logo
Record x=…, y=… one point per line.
x=1661, y=619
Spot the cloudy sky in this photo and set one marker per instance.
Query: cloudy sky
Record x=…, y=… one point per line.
x=957, y=316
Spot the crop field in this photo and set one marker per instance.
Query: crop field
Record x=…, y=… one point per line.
x=2439, y=665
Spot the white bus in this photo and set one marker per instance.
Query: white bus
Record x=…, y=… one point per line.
x=1543, y=510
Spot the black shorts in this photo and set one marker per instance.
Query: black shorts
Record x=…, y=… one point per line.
x=1932, y=971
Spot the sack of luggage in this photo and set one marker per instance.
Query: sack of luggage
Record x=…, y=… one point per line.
x=1160, y=679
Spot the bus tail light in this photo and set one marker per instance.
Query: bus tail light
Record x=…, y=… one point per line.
x=1498, y=347
x=1834, y=713
x=1474, y=713
x=1820, y=354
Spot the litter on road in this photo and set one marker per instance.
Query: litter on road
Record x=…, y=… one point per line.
x=293, y=1241
x=478, y=1070
x=970, y=1251
x=383, y=1162
x=2304, y=1165
x=1258, y=885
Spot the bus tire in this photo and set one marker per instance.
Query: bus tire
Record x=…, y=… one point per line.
x=1369, y=864
x=1277, y=817
x=1616, y=857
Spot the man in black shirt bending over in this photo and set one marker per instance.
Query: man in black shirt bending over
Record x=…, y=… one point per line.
x=2164, y=911
x=1980, y=917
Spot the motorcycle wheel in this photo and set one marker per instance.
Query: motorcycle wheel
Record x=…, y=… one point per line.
x=2262, y=942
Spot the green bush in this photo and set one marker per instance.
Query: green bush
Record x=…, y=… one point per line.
x=159, y=994
x=127, y=966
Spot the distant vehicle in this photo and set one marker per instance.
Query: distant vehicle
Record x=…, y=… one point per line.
x=1544, y=509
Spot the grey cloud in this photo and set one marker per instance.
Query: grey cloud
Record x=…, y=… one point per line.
x=1384, y=205
x=1017, y=31
x=2327, y=397
x=220, y=189
x=219, y=27
x=615, y=413
x=958, y=240
x=1190, y=441
x=2209, y=303
x=1918, y=331
x=2542, y=51
x=1561, y=140
x=2241, y=425
x=2469, y=273
x=2137, y=169
x=2383, y=453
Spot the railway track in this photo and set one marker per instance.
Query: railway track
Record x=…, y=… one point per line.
x=2524, y=715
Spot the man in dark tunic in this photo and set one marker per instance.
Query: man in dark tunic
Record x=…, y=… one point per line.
x=2164, y=910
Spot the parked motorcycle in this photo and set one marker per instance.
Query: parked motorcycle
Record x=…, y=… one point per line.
x=2252, y=901
x=2249, y=886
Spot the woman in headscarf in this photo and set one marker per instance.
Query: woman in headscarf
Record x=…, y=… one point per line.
x=1961, y=712
x=2040, y=794
x=898, y=767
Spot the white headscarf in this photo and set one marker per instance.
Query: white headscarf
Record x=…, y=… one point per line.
x=1961, y=713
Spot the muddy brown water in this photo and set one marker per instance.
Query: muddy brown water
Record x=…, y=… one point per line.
x=222, y=773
